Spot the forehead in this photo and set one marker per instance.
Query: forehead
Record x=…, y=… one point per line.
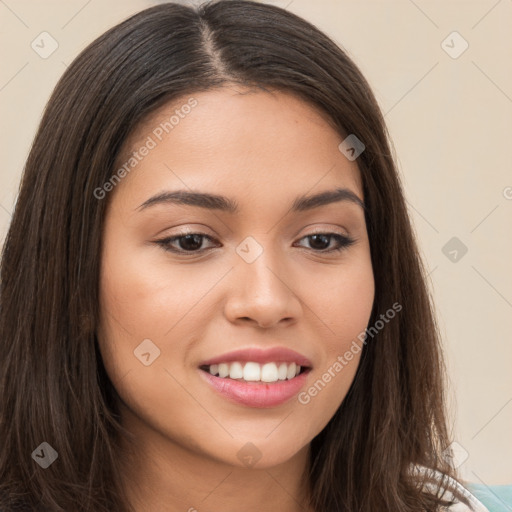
x=245, y=139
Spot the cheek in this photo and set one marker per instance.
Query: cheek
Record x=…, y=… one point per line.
x=143, y=306
x=143, y=295
x=134, y=305
x=345, y=308
x=353, y=306
x=345, y=302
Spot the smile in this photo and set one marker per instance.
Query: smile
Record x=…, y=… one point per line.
x=254, y=372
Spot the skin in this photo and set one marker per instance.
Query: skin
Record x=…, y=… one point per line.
x=187, y=437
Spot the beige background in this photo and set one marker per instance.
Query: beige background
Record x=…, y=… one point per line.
x=451, y=122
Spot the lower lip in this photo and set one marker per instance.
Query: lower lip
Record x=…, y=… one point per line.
x=257, y=394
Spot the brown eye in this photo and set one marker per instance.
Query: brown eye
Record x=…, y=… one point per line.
x=320, y=242
x=192, y=242
x=186, y=242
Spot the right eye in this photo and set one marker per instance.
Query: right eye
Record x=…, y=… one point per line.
x=188, y=243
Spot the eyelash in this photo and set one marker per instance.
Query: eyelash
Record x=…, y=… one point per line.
x=344, y=242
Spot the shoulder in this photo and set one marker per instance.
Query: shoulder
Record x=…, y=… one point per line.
x=449, y=484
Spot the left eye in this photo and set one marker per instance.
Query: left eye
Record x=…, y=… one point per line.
x=343, y=241
x=192, y=242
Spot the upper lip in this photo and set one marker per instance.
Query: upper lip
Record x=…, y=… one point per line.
x=259, y=355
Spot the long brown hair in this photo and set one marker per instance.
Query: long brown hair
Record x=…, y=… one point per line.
x=54, y=385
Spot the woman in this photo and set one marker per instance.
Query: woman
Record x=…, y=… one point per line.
x=293, y=362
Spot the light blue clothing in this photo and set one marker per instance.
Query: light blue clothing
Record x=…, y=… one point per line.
x=497, y=498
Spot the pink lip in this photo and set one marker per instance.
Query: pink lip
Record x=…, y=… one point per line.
x=256, y=394
x=262, y=356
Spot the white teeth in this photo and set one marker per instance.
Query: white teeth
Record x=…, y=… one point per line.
x=236, y=371
x=282, y=371
x=254, y=372
x=269, y=372
x=223, y=370
x=291, y=371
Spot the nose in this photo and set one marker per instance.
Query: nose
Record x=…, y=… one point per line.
x=263, y=293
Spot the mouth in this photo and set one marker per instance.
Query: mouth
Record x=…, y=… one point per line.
x=252, y=371
x=256, y=377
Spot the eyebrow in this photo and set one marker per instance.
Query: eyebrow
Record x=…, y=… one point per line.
x=225, y=204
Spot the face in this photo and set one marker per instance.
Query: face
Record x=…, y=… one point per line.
x=209, y=306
